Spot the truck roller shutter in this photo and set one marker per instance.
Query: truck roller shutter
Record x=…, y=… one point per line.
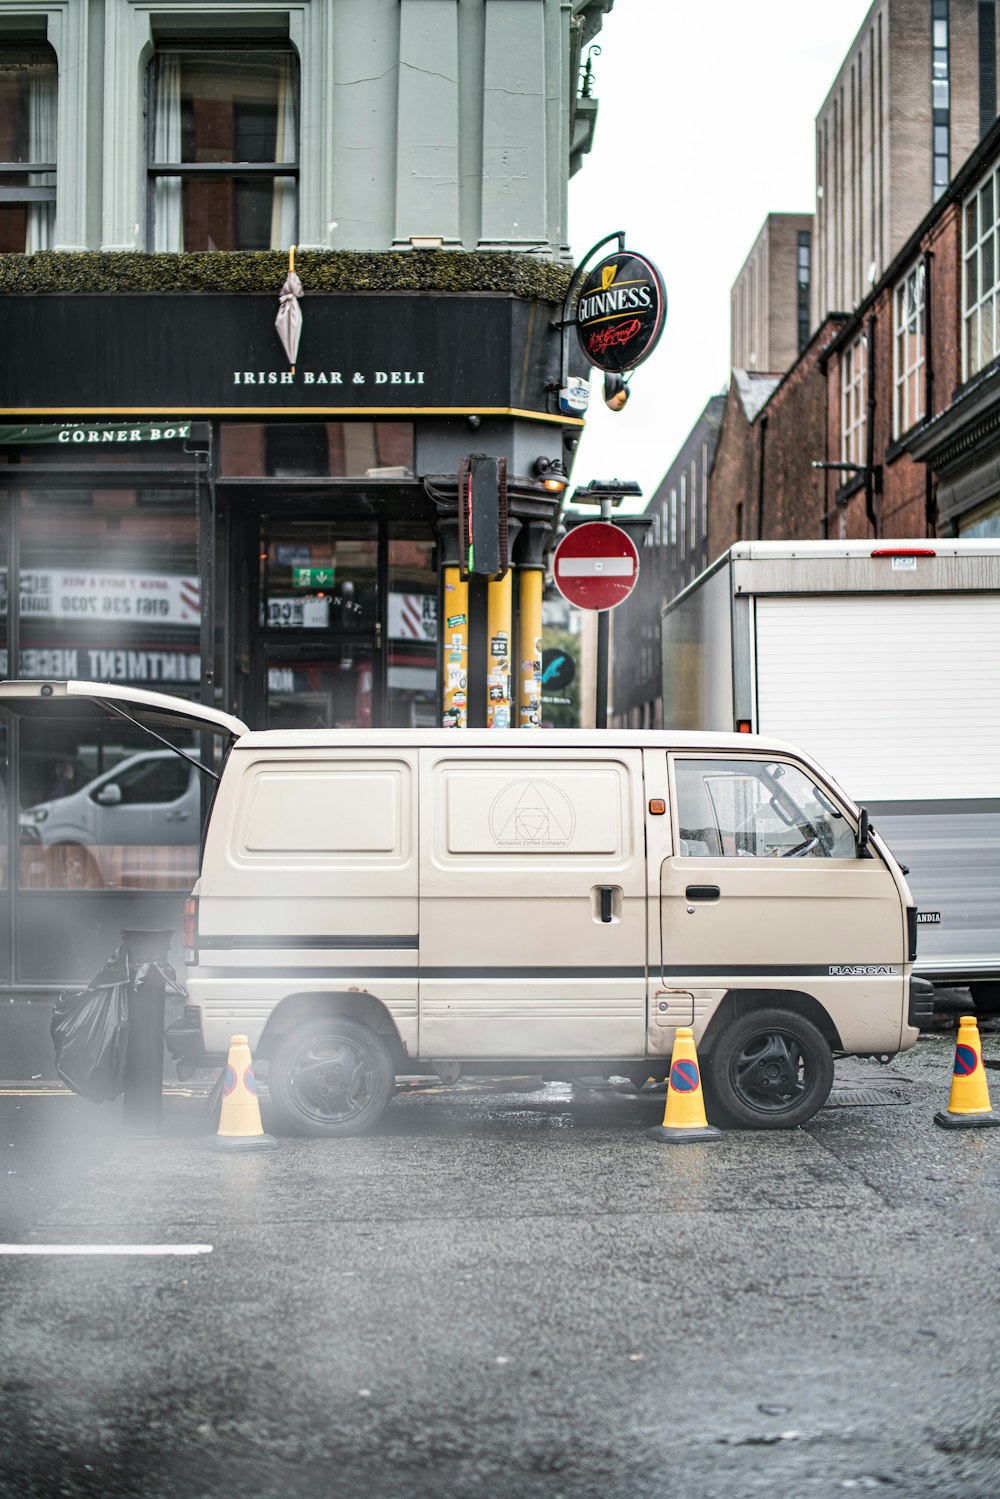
x=897, y=696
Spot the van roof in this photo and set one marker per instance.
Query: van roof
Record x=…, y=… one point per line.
x=505, y=739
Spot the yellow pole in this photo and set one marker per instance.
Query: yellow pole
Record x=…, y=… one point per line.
x=291, y=259
x=499, y=600
x=455, y=651
x=529, y=674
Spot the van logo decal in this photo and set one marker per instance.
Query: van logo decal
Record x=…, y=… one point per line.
x=531, y=814
x=858, y=970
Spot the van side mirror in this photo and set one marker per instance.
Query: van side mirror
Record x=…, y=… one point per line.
x=110, y=795
x=864, y=828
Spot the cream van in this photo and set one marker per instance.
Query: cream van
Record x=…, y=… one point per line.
x=377, y=902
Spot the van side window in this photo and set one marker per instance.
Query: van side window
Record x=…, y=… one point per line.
x=756, y=809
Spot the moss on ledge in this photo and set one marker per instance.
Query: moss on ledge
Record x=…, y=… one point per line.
x=264, y=271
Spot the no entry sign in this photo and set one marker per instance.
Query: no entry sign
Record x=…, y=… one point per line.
x=596, y=565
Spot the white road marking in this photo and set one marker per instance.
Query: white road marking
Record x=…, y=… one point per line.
x=141, y=1249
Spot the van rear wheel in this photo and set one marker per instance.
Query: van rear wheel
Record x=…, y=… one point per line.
x=770, y=1069
x=331, y=1077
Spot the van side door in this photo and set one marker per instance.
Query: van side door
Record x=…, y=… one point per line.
x=764, y=890
x=532, y=903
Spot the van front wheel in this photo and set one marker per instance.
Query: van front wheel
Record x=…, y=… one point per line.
x=771, y=1069
x=331, y=1077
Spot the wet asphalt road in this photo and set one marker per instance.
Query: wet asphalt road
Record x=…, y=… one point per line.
x=507, y=1294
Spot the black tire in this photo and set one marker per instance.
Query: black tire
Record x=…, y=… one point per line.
x=986, y=996
x=770, y=1069
x=331, y=1078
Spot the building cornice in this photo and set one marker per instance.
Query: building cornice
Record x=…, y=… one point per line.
x=971, y=419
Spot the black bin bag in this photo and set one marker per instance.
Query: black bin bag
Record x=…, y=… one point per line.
x=90, y=1032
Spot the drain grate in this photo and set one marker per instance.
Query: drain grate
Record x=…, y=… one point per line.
x=865, y=1098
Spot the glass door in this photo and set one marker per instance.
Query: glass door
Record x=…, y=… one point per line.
x=320, y=624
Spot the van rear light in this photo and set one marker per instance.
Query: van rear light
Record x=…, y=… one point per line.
x=904, y=552
x=743, y=726
x=189, y=930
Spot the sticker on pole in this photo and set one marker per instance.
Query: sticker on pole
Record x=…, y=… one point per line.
x=596, y=565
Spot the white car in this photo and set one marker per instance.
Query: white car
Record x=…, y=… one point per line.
x=152, y=798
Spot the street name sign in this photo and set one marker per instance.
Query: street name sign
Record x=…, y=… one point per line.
x=596, y=565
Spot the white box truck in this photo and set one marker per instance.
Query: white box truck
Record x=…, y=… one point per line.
x=882, y=660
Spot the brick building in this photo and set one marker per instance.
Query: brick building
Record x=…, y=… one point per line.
x=908, y=384
x=675, y=551
x=732, y=476
x=916, y=92
x=769, y=302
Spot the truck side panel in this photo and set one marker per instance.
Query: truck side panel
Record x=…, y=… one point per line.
x=698, y=656
x=898, y=695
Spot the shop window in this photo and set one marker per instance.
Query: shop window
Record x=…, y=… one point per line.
x=334, y=450
x=222, y=130
x=108, y=591
x=908, y=352
x=413, y=633
x=852, y=402
x=319, y=576
x=296, y=450
x=28, y=94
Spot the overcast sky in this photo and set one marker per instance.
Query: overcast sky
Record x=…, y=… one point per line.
x=705, y=126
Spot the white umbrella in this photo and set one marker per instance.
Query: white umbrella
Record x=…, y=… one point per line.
x=289, y=319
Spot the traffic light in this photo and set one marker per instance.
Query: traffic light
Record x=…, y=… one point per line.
x=482, y=516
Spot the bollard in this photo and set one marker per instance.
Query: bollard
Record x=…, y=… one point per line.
x=143, y=1101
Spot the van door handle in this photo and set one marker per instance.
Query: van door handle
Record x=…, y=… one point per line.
x=703, y=892
x=606, y=897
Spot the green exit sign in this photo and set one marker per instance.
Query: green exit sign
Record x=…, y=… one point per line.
x=312, y=577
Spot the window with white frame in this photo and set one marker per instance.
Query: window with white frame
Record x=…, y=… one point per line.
x=852, y=402
x=28, y=94
x=222, y=148
x=908, y=352
x=673, y=517
x=980, y=278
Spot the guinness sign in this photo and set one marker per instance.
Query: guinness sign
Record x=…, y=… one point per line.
x=621, y=312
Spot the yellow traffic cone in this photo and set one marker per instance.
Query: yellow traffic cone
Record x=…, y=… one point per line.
x=969, y=1104
x=684, y=1117
x=239, y=1122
